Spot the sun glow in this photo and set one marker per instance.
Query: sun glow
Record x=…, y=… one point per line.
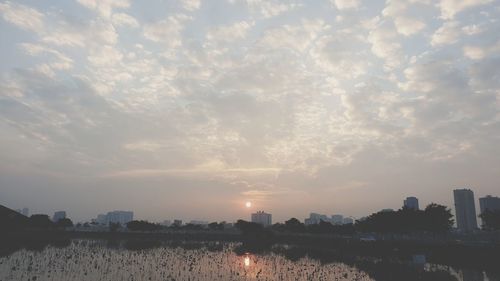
x=248, y=204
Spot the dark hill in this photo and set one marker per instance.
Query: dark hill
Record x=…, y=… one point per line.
x=10, y=219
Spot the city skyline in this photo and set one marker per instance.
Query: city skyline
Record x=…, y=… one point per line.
x=487, y=201
x=189, y=109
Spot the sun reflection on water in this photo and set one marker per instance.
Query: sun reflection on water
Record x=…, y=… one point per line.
x=246, y=260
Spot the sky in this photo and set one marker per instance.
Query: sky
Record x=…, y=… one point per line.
x=188, y=109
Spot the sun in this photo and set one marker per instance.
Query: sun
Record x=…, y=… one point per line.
x=248, y=204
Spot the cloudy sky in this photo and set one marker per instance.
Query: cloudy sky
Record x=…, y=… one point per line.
x=188, y=108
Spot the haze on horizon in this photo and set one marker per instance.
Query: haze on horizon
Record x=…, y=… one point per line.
x=188, y=109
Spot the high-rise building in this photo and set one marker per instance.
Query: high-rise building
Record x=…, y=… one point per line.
x=262, y=217
x=489, y=203
x=411, y=203
x=58, y=216
x=465, y=209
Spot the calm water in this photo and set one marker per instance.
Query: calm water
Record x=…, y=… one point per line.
x=95, y=260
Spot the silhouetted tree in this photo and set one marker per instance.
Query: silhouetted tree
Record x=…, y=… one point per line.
x=216, y=226
x=491, y=219
x=294, y=225
x=279, y=227
x=142, y=226
x=248, y=227
x=40, y=221
x=435, y=218
x=321, y=227
x=255, y=236
x=438, y=218
x=65, y=222
x=191, y=226
x=114, y=226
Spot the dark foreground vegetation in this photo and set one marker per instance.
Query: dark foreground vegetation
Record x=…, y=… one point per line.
x=384, y=259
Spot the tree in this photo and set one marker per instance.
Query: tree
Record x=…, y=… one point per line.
x=491, y=219
x=65, y=222
x=114, y=226
x=142, y=226
x=438, y=218
x=248, y=227
x=40, y=221
x=216, y=226
x=435, y=218
x=294, y=225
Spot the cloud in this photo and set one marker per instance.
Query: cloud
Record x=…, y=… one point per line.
x=408, y=26
x=191, y=5
x=295, y=37
x=22, y=16
x=166, y=31
x=122, y=19
x=346, y=4
x=449, y=8
x=269, y=8
x=105, y=7
x=448, y=33
x=61, y=61
x=386, y=45
x=272, y=98
x=229, y=33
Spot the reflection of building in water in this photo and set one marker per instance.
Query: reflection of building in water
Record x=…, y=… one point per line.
x=262, y=217
x=461, y=274
x=471, y=275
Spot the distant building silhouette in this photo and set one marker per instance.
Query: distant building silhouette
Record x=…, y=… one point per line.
x=58, y=216
x=337, y=219
x=262, y=217
x=489, y=203
x=315, y=218
x=411, y=203
x=121, y=217
x=465, y=209
x=348, y=221
x=177, y=223
x=197, y=222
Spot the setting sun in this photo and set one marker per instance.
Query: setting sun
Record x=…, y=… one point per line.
x=248, y=204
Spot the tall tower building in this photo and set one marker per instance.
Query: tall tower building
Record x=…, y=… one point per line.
x=411, y=203
x=465, y=209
